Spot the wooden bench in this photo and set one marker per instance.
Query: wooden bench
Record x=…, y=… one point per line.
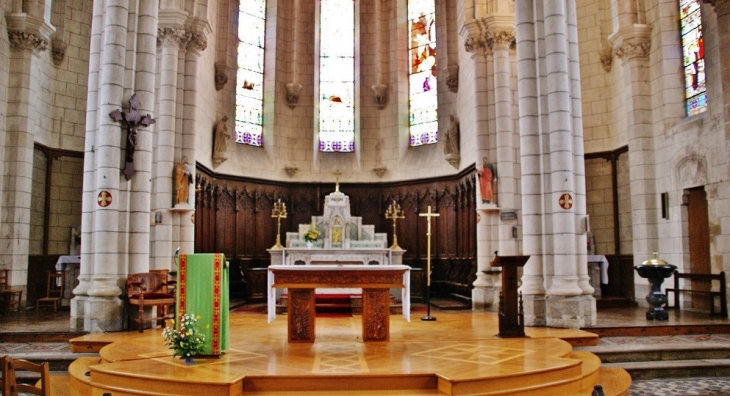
x=708, y=278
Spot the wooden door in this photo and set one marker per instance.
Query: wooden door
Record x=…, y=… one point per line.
x=699, y=243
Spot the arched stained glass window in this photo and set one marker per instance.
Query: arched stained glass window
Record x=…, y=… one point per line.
x=250, y=74
x=337, y=76
x=693, y=49
x=423, y=117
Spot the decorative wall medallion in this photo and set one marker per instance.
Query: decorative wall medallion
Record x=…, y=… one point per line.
x=565, y=201
x=192, y=218
x=479, y=217
x=104, y=199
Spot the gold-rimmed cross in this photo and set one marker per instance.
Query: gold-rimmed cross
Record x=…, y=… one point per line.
x=337, y=174
x=393, y=212
x=428, y=215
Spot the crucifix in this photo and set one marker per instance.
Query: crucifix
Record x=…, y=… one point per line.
x=134, y=120
x=337, y=180
x=428, y=216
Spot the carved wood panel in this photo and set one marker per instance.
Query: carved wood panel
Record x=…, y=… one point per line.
x=233, y=216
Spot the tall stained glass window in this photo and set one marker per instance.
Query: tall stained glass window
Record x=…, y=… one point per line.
x=250, y=75
x=423, y=117
x=337, y=76
x=693, y=49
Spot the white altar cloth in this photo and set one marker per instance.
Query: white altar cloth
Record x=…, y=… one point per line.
x=597, y=258
x=406, y=291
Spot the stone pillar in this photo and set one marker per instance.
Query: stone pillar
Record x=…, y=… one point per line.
x=141, y=183
x=632, y=42
x=552, y=188
x=197, y=44
x=500, y=39
x=29, y=37
x=486, y=287
x=171, y=41
x=533, y=286
x=102, y=309
x=88, y=202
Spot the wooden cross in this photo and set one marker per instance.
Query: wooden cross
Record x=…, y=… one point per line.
x=428, y=216
x=134, y=120
x=337, y=180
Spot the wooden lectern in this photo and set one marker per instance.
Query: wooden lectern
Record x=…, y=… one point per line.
x=511, y=315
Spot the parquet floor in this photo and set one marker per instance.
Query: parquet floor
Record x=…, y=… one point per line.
x=455, y=351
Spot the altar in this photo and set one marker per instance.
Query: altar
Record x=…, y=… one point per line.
x=375, y=282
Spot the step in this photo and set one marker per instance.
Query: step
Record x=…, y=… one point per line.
x=640, y=353
x=674, y=368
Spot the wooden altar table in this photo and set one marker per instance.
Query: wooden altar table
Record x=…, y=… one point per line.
x=376, y=282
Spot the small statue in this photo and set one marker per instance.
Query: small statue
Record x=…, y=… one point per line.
x=220, y=141
x=183, y=179
x=451, y=138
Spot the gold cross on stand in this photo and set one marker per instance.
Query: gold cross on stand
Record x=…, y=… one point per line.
x=337, y=174
x=394, y=212
x=428, y=216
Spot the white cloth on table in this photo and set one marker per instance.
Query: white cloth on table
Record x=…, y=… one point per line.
x=61, y=264
x=598, y=258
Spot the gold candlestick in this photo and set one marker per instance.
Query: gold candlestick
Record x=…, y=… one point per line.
x=428, y=216
x=278, y=212
x=394, y=212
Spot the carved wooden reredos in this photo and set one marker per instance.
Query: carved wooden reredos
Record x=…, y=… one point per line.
x=233, y=216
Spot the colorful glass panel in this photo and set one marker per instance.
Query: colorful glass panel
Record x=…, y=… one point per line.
x=423, y=114
x=250, y=74
x=337, y=76
x=693, y=51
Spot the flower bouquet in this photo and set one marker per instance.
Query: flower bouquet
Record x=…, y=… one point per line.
x=187, y=340
x=311, y=235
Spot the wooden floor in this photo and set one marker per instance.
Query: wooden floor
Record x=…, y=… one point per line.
x=457, y=354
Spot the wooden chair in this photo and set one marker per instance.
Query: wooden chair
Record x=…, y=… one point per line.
x=149, y=289
x=54, y=291
x=11, y=297
x=10, y=385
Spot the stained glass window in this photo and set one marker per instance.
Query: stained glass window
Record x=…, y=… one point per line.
x=423, y=117
x=693, y=49
x=337, y=76
x=250, y=74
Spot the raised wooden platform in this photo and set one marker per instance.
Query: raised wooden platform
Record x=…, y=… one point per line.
x=456, y=355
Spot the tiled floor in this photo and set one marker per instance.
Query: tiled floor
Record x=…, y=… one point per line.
x=49, y=322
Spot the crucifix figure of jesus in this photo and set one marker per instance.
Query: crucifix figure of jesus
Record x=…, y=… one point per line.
x=134, y=120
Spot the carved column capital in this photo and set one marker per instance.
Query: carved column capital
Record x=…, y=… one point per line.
x=27, y=41
x=628, y=51
x=722, y=7
x=474, y=40
x=501, y=39
x=173, y=36
x=632, y=42
x=198, y=42
x=58, y=50
x=221, y=75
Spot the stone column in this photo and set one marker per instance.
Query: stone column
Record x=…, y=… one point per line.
x=500, y=38
x=197, y=44
x=29, y=38
x=552, y=186
x=533, y=285
x=171, y=41
x=103, y=308
x=632, y=42
x=88, y=202
x=144, y=87
x=486, y=287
